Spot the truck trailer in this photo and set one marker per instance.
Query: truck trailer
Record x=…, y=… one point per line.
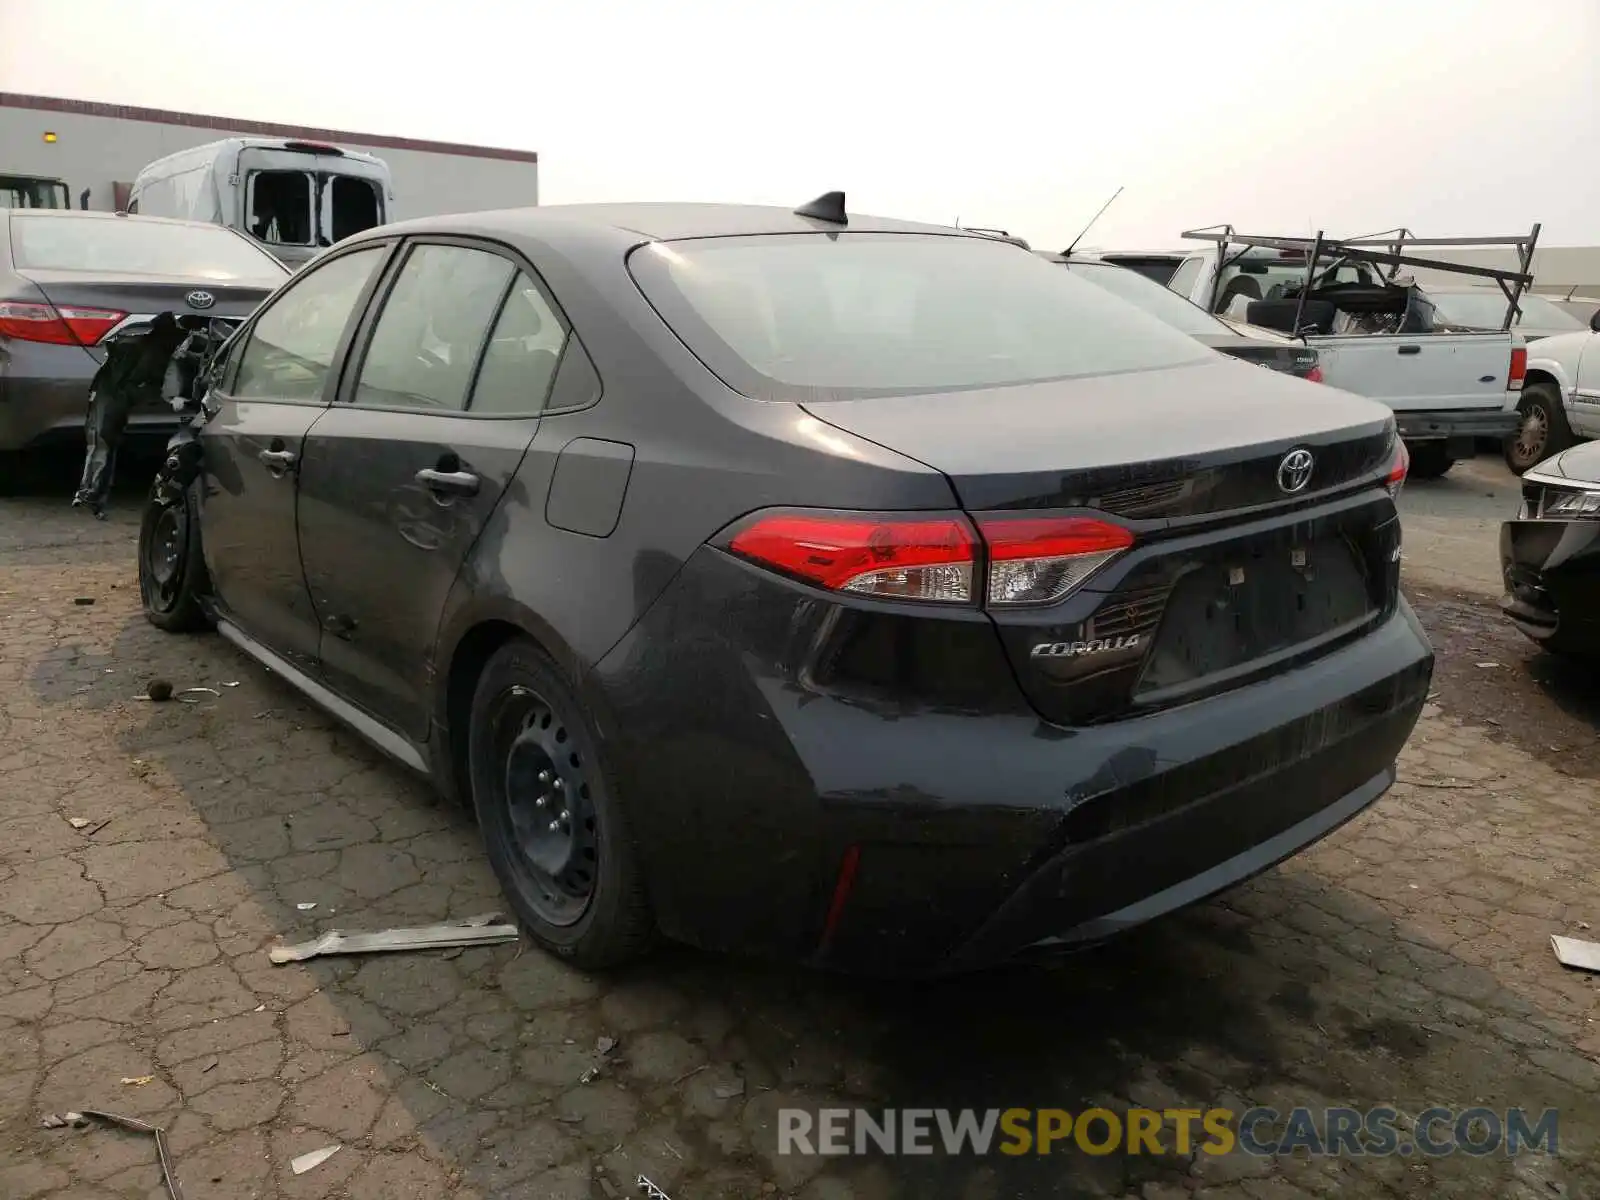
x=98, y=150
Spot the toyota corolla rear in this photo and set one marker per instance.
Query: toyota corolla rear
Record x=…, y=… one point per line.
x=1145, y=640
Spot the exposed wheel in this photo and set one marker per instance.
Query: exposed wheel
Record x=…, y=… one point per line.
x=1430, y=460
x=552, y=823
x=1544, y=430
x=172, y=571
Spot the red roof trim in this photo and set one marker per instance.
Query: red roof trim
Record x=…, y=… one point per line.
x=161, y=116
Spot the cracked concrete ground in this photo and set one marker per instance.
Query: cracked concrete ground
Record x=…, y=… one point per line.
x=1405, y=961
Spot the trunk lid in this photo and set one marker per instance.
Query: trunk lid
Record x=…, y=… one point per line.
x=1084, y=442
x=1230, y=577
x=1291, y=359
x=147, y=295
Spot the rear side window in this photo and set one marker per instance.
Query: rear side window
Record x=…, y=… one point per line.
x=123, y=246
x=293, y=341
x=432, y=328
x=841, y=316
x=519, y=363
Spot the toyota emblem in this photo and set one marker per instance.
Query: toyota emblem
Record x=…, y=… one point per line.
x=200, y=299
x=1294, y=472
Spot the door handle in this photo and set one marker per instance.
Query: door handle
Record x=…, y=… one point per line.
x=460, y=483
x=1410, y=349
x=277, y=461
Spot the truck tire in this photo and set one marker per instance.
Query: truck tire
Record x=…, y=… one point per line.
x=1430, y=460
x=1544, y=430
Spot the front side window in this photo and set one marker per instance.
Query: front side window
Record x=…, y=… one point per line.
x=427, y=340
x=841, y=316
x=292, y=345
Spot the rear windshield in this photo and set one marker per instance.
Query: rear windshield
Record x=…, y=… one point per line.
x=1488, y=311
x=130, y=246
x=1156, y=300
x=841, y=316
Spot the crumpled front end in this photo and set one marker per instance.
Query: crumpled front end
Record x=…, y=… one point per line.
x=159, y=362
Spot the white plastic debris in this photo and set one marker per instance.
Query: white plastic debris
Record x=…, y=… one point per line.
x=1575, y=952
x=476, y=931
x=313, y=1159
x=306, y=907
x=651, y=1190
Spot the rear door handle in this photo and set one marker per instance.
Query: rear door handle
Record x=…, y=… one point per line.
x=458, y=483
x=1410, y=349
x=277, y=461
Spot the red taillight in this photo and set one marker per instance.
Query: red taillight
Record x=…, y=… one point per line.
x=1031, y=560
x=893, y=558
x=1398, y=468
x=1314, y=375
x=56, y=326
x=1519, y=368
x=1040, y=560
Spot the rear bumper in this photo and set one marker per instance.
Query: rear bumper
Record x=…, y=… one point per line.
x=44, y=412
x=1448, y=424
x=978, y=834
x=1551, y=570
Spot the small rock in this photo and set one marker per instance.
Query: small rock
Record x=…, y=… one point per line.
x=84, y=601
x=158, y=690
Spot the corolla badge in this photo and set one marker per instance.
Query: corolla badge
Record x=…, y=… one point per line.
x=1294, y=472
x=200, y=299
x=1091, y=646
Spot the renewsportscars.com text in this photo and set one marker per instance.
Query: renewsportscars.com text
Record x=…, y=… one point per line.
x=1373, y=1132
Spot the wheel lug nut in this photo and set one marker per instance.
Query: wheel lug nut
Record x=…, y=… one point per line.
x=544, y=776
x=540, y=802
x=560, y=785
x=554, y=826
x=565, y=816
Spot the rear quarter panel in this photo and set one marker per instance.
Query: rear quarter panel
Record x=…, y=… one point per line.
x=702, y=456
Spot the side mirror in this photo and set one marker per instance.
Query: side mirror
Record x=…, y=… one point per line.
x=1594, y=320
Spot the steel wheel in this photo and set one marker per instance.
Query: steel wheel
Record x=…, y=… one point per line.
x=164, y=554
x=548, y=803
x=172, y=571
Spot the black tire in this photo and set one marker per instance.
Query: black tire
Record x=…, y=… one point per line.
x=1430, y=460
x=553, y=825
x=172, y=570
x=10, y=473
x=1544, y=430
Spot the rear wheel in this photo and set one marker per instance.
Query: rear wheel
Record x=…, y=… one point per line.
x=172, y=571
x=1544, y=430
x=553, y=826
x=1430, y=460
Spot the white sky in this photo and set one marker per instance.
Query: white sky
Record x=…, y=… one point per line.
x=1464, y=117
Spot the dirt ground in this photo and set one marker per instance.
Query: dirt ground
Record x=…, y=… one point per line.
x=1405, y=961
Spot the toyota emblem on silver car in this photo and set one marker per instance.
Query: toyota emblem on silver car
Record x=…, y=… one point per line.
x=206, y=300
x=1294, y=472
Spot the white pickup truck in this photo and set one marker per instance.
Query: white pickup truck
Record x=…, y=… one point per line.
x=1561, y=398
x=1372, y=330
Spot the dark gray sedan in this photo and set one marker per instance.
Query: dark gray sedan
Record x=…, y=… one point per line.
x=799, y=582
x=69, y=280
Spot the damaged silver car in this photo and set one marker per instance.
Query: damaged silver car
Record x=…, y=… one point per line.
x=89, y=304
